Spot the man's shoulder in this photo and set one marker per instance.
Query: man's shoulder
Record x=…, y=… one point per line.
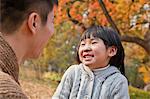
x=9, y=89
x=6, y=82
x=4, y=77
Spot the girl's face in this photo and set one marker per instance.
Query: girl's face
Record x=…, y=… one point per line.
x=93, y=53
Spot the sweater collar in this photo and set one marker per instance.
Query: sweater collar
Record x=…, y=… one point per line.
x=101, y=74
x=8, y=60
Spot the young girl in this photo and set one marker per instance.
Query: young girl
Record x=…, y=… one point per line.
x=100, y=74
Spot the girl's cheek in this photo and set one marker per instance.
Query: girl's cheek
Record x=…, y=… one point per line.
x=80, y=53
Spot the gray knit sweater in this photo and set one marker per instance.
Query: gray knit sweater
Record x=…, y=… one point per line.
x=9, y=69
x=79, y=82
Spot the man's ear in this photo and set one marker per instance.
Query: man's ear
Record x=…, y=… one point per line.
x=33, y=22
x=112, y=51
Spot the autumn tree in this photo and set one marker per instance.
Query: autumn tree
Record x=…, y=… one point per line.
x=131, y=17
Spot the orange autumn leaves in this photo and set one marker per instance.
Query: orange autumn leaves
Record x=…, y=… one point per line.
x=78, y=8
x=120, y=10
x=145, y=70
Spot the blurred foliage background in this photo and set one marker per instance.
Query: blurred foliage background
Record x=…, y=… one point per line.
x=72, y=17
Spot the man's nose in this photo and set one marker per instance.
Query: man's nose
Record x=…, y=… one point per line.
x=52, y=29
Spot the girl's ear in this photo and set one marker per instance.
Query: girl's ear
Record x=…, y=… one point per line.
x=33, y=22
x=112, y=51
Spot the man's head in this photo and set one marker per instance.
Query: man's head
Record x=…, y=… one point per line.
x=27, y=25
x=14, y=12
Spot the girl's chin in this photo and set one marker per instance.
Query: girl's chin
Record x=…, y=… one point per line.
x=88, y=64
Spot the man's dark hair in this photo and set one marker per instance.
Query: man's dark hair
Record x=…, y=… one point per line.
x=14, y=12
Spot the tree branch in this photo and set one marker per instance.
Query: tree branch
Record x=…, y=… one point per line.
x=138, y=23
x=138, y=41
x=113, y=25
x=74, y=21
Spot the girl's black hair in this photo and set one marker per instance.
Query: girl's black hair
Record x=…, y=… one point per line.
x=110, y=38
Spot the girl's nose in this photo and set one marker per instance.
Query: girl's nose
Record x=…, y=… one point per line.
x=87, y=48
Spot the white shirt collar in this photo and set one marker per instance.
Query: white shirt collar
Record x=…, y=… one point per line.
x=99, y=69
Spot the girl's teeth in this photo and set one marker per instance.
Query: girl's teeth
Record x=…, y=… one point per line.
x=88, y=56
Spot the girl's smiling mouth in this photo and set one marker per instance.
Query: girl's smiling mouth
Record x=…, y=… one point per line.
x=87, y=55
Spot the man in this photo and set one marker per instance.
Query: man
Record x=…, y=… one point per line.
x=25, y=26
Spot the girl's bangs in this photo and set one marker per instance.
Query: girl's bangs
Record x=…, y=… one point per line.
x=89, y=34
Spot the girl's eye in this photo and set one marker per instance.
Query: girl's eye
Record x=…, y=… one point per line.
x=82, y=44
x=94, y=42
